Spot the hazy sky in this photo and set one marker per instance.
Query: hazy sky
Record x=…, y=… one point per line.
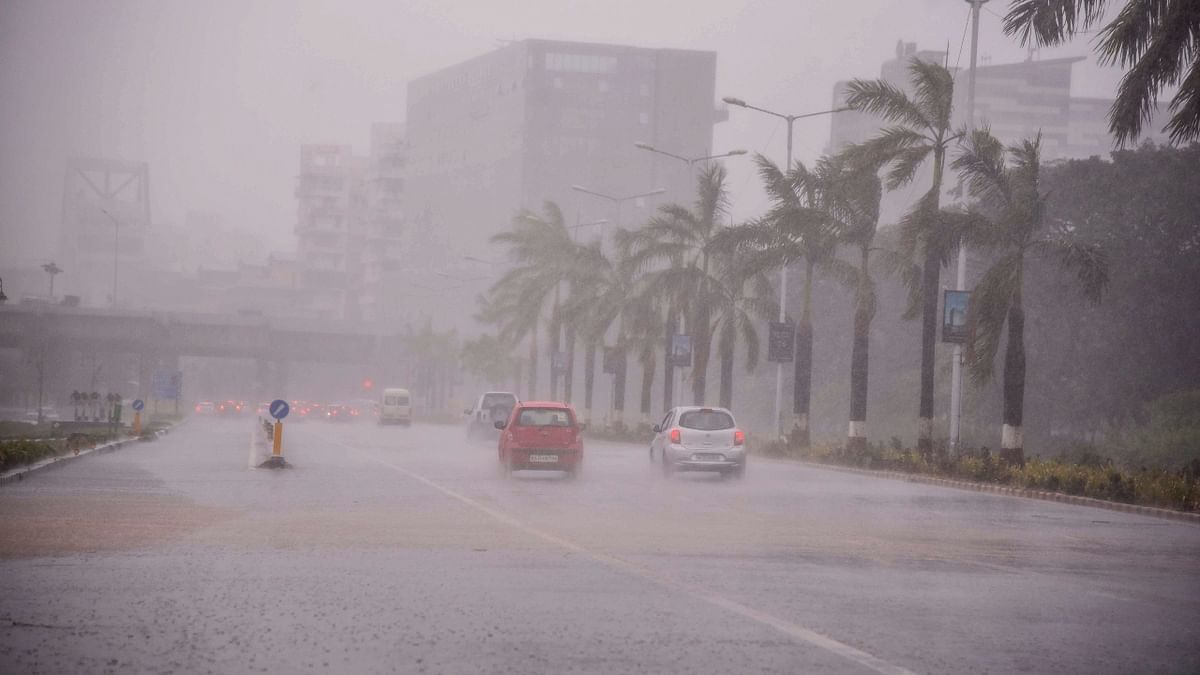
x=218, y=96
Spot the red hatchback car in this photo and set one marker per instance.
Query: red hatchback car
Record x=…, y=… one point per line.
x=541, y=436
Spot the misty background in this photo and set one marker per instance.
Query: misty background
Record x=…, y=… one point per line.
x=218, y=97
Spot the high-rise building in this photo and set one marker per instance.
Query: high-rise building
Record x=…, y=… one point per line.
x=382, y=253
x=1015, y=100
x=519, y=126
x=330, y=211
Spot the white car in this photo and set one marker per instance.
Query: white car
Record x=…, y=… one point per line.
x=699, y=438
x=492, y=407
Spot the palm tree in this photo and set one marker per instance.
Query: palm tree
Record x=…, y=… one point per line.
x=920, y=132
x=852, y=198
x=594, y=303
x=1013, y=225
x=1154, y=41
x=797, y=227
x=743, y=299
x=541, y=248
x=671, y=255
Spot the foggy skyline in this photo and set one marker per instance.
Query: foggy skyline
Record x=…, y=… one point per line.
x=218, y=97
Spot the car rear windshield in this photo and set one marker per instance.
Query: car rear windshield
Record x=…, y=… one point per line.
x=544, y=417
x=396, y=399
x=492, y=400
x=706, y=420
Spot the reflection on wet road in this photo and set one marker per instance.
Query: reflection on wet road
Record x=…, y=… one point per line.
x=403, y=549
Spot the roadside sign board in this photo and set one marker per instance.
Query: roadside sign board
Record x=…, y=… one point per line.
x=954, y=316
x=681, y=351
x=166, y=384
x=781, y=342
x=279, y=409
x=138, y=404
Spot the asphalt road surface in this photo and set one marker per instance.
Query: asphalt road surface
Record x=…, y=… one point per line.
x=403, y=550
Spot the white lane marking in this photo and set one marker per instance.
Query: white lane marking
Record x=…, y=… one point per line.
x=786, y=627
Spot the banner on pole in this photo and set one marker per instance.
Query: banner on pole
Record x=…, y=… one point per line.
x=781, y=342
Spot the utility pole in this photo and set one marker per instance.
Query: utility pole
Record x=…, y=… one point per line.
x=116, y=249
x=960, y=281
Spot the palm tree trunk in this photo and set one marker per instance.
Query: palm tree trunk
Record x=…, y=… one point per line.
x=618, y=420
x=555, y=340
x=647, y=382
x=1011, y=442
x=930, y=288
x=700, y=331
x=533, y=361
x=930, y=278
x=668, y=368
x=726, y=376
x=569, y=377
x=589, y=380
x=802, y=391
x=856, y=435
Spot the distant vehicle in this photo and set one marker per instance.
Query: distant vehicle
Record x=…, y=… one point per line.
x=229, y=407
x=695, y=438
x=300, y=411
x=395, y=407
x=336, y=412
x=492, y=407
x=541, y=436
x=205, y=408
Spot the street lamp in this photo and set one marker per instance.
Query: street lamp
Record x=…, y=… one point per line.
x=116, y=236
x=617, y=201
x=791, y=119
x=690, y=161
x=960, y=279
x=53, y=270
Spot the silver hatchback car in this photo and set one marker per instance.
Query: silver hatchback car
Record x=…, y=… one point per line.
x=699, y=438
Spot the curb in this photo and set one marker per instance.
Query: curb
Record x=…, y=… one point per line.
x=18, y=474
x=1026, y=493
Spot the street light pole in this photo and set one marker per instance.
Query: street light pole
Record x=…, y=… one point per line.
x=116, y=237
x=960, y=280
x=53, y=270
x=791, y=119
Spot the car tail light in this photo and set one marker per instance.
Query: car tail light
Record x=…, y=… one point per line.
x=197, y=408
x=739, y=437
x=676, y=436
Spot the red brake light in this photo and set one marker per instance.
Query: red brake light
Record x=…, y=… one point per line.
x=739, y=437
x=675, y=436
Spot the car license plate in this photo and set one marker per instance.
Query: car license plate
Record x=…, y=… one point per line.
x=545, y=459
x=707, y=457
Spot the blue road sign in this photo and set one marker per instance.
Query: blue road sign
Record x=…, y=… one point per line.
x=138, y=404
x=279, y=408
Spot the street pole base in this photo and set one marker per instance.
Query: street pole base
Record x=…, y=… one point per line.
x=275, y=462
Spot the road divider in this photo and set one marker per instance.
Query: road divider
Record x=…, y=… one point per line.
x=268, y=434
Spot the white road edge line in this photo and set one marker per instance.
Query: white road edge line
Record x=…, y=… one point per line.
x=786, y=627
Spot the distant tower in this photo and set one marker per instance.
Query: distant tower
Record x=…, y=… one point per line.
x=106, y=212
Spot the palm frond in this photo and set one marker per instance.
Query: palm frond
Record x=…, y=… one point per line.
x=934, y=89
x=986, y=314
x=1051, y=22
x=883, y=99
x=1089, y=262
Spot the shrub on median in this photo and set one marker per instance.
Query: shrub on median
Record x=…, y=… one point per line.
x=1098, y=479
x=14, y=453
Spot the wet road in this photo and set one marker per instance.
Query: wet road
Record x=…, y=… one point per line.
x=393, y=549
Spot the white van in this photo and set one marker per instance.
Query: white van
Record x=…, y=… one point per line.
x=395, y=406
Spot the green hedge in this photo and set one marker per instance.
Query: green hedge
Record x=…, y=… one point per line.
x=14, y=453
x=1171, y=489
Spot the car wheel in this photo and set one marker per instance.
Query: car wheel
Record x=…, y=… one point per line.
x=505, y=469
x=575, y=471
x=668, y=467
x=652, y=453
x=739, y=472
